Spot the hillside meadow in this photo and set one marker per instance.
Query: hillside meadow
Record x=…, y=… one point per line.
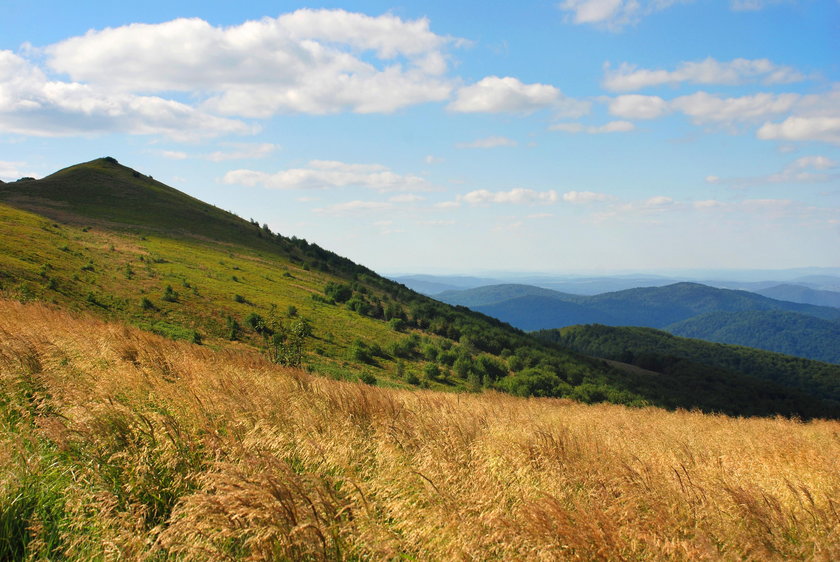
x=119, y=444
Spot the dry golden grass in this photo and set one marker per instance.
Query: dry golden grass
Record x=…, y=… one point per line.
x=170, y=450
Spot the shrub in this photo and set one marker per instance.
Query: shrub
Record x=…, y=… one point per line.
x=169, y=294
x=146, y=304
x=240, y=299
x=338, y=292
x=233, y=329
x=368, y=378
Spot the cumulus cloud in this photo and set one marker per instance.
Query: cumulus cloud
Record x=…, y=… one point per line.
x=826, y=129
x=815, y=117
x=517, y=196
x=243, y=151
x=611, y=127
x=32, y=104
x=706, y=108
x=489, y=142
x=308, y=61
x=628, y=77
x=327, y=174
x=174, y=154
x=635, y=106
x=583, y=197
x=505, y=95
x=612, y=14
x=12, y=170
x=353, y=207
x=703, y=107
x=807, y=169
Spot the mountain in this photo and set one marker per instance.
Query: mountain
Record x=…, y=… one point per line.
x=802, y=294
x=104, y=239
x=434, y=284
x=773, y=330
x=494, y=294
x=715, y=363
x=532, y=308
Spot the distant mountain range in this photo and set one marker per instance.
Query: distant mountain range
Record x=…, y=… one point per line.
x=688, y=309
x=791, y=281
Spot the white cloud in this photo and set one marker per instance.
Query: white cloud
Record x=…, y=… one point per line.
x=517, y=196
x=432, y=159
x=628, y=77
x=826, y=129
x=174, y=154
x=244, y=151
x=406, y=198
x=611, y=127
x=703, y=107
x=326, y=174
x=613, y=14
x=807, y=169
x=583, y=197
x=489, y=142
x=815, y=117
x=635, y=106
x=32, y=104
x=504, y=95
x=309, y=61
x=12, y=170
x=353, y=207
x=753, y=5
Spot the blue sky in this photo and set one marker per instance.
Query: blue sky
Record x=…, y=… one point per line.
x=571, y=136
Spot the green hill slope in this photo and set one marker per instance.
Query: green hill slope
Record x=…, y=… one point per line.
x=663, y=352
x=102, y=238
x=771, y=330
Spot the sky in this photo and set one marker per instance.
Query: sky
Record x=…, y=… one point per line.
x=456, y=137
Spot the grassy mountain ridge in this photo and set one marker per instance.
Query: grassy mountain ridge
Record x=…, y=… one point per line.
x=229, y=282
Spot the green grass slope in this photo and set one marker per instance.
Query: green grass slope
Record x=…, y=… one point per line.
x=103, y=238
x=663, y=352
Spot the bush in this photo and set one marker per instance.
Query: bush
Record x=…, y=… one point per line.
x=397, y=324
x=240, y=299
x=338, y=292
x=146, y=304
x=368, y=378
x=169, y=294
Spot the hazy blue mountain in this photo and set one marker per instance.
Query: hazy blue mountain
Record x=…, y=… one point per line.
x=493, y=294
x=539, y=312
x=802, y=294
x=434, y=284
x=774, y=330
x=532, y=308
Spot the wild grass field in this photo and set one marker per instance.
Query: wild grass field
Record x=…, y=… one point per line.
x=119, y=444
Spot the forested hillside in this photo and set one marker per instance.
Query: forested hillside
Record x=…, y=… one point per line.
x=663, y=352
